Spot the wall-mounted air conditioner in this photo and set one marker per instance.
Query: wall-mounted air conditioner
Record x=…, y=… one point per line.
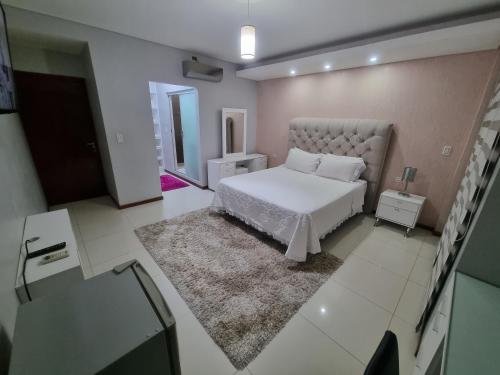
x=196, y=70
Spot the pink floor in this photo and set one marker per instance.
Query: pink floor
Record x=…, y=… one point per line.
x=169, y=182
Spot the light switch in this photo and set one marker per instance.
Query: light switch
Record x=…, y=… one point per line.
x=446, y=151
x=119, y=138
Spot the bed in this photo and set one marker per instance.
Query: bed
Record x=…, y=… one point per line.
x=299, y=209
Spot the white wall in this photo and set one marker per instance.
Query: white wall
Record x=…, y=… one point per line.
x=102, y=142
x=29, y=58
x=32, y=59
x=123, y=66
x=21, y=195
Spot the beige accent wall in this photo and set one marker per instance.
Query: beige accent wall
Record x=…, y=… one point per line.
x=432, y=102
x=459, y=171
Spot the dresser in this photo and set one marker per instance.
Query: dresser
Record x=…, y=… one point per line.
x=43, y=279
x=231, y=166
x=399, y=209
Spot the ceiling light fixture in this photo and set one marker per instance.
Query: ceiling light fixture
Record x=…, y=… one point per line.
x=327, y=66
x=248, y=38
x=293, y=72
x=373, y=59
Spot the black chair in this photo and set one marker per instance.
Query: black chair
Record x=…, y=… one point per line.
x=385, y=361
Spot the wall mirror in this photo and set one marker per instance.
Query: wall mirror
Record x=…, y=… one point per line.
x=234, y=129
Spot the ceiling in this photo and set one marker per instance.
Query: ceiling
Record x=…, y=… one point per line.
x=211, y=27
x=471, y=37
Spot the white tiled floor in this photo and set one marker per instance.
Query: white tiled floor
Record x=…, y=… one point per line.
x=380, y=286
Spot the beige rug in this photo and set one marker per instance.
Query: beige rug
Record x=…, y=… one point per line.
x=235, y=280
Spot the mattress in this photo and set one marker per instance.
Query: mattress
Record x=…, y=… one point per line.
x=295, y=208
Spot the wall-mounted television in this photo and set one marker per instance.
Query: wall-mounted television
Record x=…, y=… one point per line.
x=7, y=87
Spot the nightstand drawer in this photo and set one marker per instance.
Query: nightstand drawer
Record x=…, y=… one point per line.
x=399, y=203
x=258, y=164
x=396, y=215
x=227, y=170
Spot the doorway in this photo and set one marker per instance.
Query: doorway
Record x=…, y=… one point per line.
x=177, y=132
x=58, y=124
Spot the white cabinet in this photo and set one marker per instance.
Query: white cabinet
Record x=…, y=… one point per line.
x=400, y=209
x=257, y=164
x=435, y=330
x=227, y=167
x=43, y=279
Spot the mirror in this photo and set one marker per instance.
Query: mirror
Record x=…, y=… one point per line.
x=234, y=129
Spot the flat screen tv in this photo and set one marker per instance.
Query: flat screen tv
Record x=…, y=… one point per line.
x=7, y=88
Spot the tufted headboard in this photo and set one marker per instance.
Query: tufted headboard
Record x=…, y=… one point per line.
x=364, y=138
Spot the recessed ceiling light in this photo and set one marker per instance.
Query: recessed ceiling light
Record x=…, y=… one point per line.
x=373, y=59
x=293, y=72
x=327, y=66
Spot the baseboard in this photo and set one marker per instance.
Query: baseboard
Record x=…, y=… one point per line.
x=133, y=204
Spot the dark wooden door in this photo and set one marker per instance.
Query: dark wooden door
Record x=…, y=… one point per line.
x=57, y=120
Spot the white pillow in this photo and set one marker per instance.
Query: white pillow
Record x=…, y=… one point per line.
x=344, y=168
x=302, y=161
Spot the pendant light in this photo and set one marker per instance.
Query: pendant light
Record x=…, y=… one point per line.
x=248, y=39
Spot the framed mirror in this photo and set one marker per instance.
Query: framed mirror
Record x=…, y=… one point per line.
x=234, y=132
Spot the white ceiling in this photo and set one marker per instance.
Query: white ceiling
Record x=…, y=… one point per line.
x=211, y=27
x=460, y=39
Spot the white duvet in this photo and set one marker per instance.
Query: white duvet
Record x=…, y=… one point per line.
x=295, y=208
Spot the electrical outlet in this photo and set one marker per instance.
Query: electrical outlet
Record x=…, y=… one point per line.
x=446, y=151
x=398, y=179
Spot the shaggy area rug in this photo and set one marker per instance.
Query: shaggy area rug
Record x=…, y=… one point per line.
x=236, y=280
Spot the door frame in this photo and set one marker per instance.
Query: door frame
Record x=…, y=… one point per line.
x=172, y=133
x=172, y=129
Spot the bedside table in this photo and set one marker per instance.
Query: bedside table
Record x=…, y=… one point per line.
x=399, y=209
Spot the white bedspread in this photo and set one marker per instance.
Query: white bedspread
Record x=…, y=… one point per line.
x=295, y=208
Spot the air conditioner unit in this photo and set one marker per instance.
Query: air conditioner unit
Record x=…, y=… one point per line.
x=196, y=70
